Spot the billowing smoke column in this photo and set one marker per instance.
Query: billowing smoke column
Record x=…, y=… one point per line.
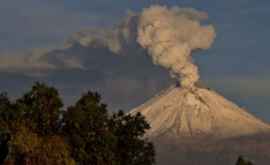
x=168, y=34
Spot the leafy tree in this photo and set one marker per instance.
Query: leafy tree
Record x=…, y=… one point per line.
x=29, y=148
x=8, y=112
x=4, y=150
x=41, y=106
x=33, y=122
x=87, y=131
x=5, y=105
x=131, y=148
x=102, y=139
x=37, y=132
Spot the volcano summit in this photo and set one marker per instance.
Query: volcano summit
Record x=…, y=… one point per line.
x=199, y=126
x=197, y=113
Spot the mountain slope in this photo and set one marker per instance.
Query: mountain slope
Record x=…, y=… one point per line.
x=199, y=113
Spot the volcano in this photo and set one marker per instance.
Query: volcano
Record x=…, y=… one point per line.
x=197, y=113
x=199, y=120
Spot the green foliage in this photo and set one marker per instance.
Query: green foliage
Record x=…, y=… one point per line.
x=86, y=133
x=41, y=106
x=28, y=147
x=8, y=112
x=131, y=148
x=115, y=140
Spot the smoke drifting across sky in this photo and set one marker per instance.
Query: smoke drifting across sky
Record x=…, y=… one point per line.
x=37, y=62
x=168, y=34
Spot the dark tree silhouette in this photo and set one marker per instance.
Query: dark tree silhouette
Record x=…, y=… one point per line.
x=41, y=106
x=131, y=148
x=111, y=140
x=8, y=111
x=87, y=131
x=41, y=133
x=4, y=149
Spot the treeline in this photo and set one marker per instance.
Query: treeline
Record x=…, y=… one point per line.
x=35, y=129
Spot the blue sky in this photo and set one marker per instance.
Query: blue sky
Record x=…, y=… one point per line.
x=237, y=65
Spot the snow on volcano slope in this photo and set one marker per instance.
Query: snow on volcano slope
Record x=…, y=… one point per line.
x=197, y=113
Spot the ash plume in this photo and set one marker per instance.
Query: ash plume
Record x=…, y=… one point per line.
x=37, y=62
x=168, y=34
x=116, y=39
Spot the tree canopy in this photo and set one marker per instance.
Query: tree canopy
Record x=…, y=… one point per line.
x=35, y=129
